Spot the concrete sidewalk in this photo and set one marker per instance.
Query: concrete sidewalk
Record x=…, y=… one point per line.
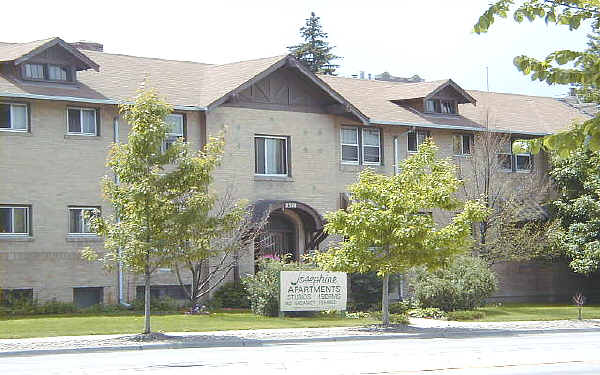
x=419, y=328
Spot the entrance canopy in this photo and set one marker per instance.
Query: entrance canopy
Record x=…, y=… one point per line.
x=312, y=222
x=310, y=217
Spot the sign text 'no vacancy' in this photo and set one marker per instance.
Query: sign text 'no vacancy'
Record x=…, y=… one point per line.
x=313, y=291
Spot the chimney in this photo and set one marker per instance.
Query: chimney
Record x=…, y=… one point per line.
x=88, y=46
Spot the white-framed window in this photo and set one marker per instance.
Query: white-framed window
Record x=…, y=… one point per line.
x=13, y=117
x=81, y=121
x=271, y=155
x=350, y=147
x=509, y=162
x=14, y=220
x=371, y=146
x=33, y=71
x=415, y=139
x=505, y=158
x=462, y=144
x=176, y=124
x=79, y=219
x=523, y=163
x=57, y=73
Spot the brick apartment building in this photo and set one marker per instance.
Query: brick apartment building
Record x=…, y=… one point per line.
x=294, y=141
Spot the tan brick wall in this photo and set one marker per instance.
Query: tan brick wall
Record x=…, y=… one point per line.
x=50, y=170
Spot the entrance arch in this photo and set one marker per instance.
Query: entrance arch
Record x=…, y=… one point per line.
x=294, y=228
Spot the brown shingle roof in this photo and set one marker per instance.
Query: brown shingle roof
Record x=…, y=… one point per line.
x=19, y=52
x=507, y=112
x=182, y=83
x=192, y=84
x=13, y=51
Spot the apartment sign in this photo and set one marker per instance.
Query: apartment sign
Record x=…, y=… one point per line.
x=313, y=291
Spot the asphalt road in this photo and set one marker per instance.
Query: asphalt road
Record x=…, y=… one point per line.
x=544, y=353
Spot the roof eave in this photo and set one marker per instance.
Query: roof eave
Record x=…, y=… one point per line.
x=246, y=84
x=324, y=86
x=457, y=127
x=76, y=99
x=455, y=86
x=292, y=61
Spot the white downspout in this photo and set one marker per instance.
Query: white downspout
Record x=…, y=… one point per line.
x=395, y=155
x=120, y=266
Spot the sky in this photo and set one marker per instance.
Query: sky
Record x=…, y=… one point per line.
x=431, y=38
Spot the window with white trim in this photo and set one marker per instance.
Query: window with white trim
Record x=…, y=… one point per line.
x=81, y=121
x=509, y=162
x=176, y=124
x=371, y=147
x=416, y=139
x=462, y=144
x=13, y=117
x=505, y=159
x=271, y=155
x=523, y=162
x=79, y=219
x=350, y=148
x=14, y=220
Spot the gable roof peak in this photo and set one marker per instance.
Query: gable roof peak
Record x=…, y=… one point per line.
x=20, y=52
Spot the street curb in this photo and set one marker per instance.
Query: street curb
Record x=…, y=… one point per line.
x=240, y=342
x=228, y=344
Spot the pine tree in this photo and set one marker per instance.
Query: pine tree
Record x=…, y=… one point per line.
x=315, y=52
x=589, y=92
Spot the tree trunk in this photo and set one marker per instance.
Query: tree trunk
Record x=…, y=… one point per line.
x=385, y=301
x=236, y=267
x=147, y=302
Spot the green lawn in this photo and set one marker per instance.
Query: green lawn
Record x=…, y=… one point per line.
x=78, y=324
x=128, y=322
x=516, y=312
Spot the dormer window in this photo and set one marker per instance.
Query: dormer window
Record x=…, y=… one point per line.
x=440, y=106
x=46, y=72
x=448, y=106
x=58, y=73
x=33, y=71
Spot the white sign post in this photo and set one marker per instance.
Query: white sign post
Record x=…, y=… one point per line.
x=312, y=291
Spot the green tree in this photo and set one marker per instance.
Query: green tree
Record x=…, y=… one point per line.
x=388, y=227
x=210, y=233
x=150, y=180
x=315, y=52
x=559, y=67
x=577, y=178
x=510, y=232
